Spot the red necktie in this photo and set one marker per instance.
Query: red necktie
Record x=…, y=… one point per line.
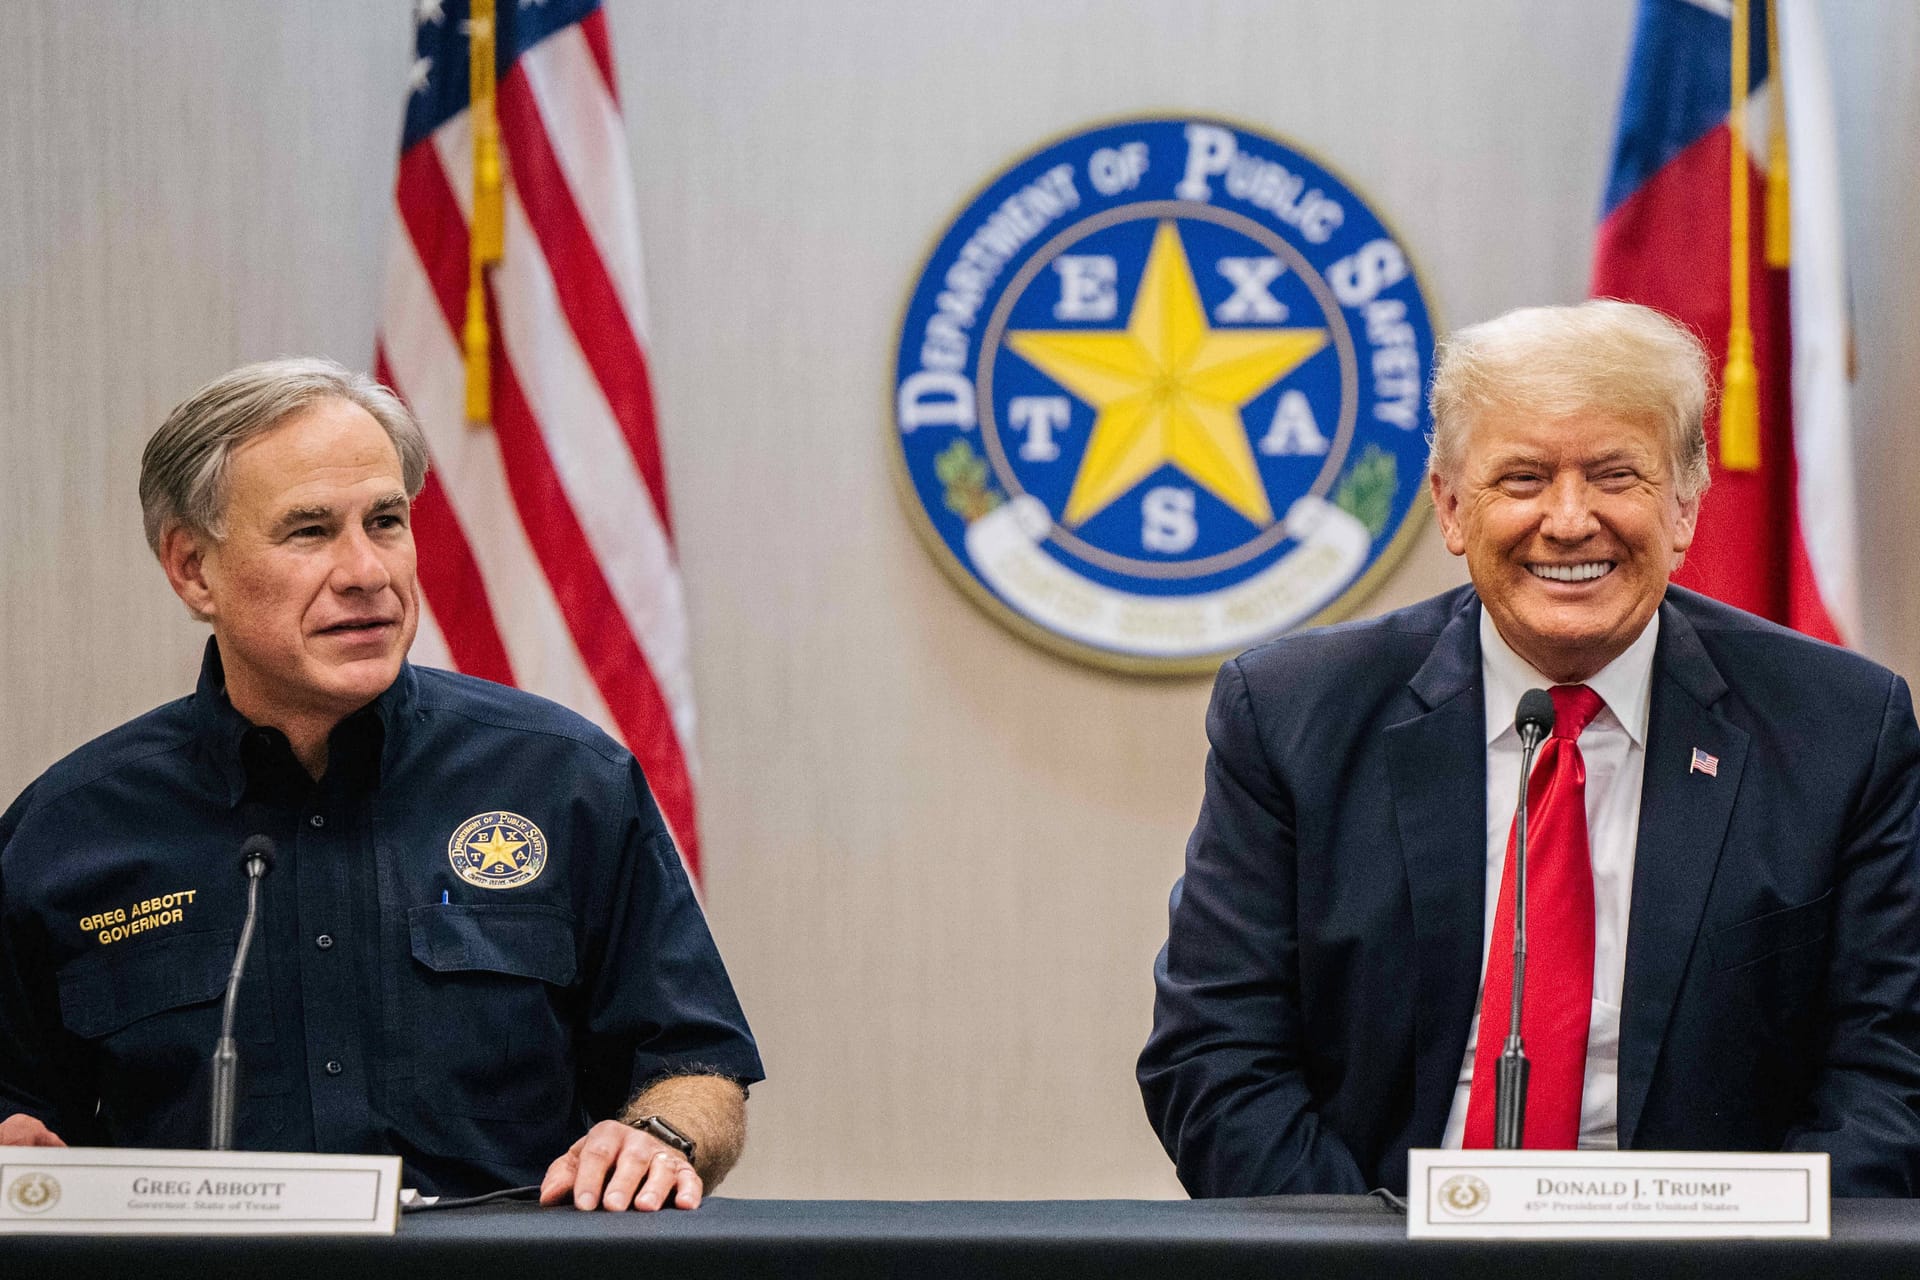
x=1559, y=976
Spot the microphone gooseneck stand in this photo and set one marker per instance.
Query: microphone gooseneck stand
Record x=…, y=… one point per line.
x=1534, y=721
x=257, y=859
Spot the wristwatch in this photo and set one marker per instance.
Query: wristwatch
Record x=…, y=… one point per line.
x=660, y=1129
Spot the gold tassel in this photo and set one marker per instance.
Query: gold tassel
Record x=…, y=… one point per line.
x=1740, y=405
x=1779, y=202
x=487, y=238
x=474, y=340
x=1739, y=385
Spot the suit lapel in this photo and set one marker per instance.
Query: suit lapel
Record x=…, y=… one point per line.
x=1683, y=825
x=1437, y=763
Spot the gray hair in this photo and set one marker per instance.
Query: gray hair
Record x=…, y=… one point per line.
x=1617, y=357
x=183, y=473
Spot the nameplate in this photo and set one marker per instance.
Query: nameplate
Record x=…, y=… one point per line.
x=1579, y=1195
x=122, y=1191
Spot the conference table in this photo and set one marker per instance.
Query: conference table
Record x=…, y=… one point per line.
x=1279, y=1239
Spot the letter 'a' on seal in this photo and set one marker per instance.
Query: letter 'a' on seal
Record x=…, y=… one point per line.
x=1160, y=395
x=497, y=850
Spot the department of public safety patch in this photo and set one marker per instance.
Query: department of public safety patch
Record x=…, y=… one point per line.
x=497, y=850
x=1160, y=395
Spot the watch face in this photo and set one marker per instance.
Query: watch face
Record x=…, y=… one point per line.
x=668, y=1134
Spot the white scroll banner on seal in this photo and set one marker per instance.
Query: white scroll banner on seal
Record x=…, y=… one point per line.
x=1004, y=546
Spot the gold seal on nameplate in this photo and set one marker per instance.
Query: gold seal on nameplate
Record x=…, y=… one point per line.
x=34, y=1192
x=1463, y=1195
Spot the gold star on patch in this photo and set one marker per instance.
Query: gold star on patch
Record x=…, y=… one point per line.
x=496, y=850
x=1167, y=389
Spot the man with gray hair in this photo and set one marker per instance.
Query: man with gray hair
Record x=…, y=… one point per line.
x=477, y=947
x=1723, y=864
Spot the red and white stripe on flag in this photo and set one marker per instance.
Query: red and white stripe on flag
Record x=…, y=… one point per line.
x=545, y=538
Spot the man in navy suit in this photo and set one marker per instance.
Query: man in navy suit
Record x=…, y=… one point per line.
x=1749, y=793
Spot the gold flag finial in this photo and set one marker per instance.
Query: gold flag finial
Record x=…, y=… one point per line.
x=1739, y=384
x=487, y=237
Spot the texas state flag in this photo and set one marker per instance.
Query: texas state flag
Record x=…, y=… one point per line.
x=1776, y=533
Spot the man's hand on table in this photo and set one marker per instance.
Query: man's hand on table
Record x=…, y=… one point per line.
x=23, y=1130
x=615, y=1166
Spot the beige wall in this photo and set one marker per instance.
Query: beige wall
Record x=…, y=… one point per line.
x=939, y=858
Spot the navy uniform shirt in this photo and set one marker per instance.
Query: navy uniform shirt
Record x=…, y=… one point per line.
x=476, y=939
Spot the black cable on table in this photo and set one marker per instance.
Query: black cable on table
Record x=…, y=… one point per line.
x=468, y=1202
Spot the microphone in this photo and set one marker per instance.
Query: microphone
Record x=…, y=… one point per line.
x=256, y=858
x=1534, y=721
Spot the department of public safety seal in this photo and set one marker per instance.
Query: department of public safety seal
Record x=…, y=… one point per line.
x=497, y=850
x=1159, y=394
x=34, y=1192
x=1463, y=1195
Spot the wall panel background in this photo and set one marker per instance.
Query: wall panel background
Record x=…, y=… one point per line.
x=938, y=857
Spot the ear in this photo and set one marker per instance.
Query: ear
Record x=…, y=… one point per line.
x=1446, y=505
x=183, y=556
x=1683, y=530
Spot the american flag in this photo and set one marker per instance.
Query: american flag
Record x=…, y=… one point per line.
x=1704, y=763
x=546, y=541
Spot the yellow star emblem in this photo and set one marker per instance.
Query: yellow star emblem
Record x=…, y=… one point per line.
x=497, y=850
x=1167, y=388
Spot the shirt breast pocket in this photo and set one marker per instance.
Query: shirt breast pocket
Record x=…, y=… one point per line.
x=151, y=1012
x=108, y=994
x=494, y=1035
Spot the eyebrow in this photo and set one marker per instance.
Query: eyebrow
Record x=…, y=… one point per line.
x=1531, y=458
x=321, y=513
x=304, y=515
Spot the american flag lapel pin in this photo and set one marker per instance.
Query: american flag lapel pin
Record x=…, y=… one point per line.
x=1704, y=763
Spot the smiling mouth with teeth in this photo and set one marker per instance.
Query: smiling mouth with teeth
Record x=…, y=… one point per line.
x=1571, y=572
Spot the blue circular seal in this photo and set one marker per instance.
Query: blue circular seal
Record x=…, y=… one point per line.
x=1160, y=394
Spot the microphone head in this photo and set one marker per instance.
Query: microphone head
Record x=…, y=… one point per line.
x=258, y=849
x=1535, y=713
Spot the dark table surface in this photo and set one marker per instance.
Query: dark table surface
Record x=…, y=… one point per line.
x=1279, y=1238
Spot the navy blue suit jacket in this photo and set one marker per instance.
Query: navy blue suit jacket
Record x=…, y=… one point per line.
x=1323, y=958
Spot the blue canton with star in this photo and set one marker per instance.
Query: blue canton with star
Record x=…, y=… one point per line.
x=438, y=77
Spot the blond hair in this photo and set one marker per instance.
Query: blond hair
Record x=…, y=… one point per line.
x=1626, y=360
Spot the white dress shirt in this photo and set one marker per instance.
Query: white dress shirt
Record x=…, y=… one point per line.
x=1614, y=747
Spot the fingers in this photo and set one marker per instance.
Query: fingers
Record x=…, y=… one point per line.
x=668, y=1174
x=616, y=1167
x=687, y=1189
x=599, y=1153
x=558, y=1183
x=23, y=1130
x=634, y=1163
